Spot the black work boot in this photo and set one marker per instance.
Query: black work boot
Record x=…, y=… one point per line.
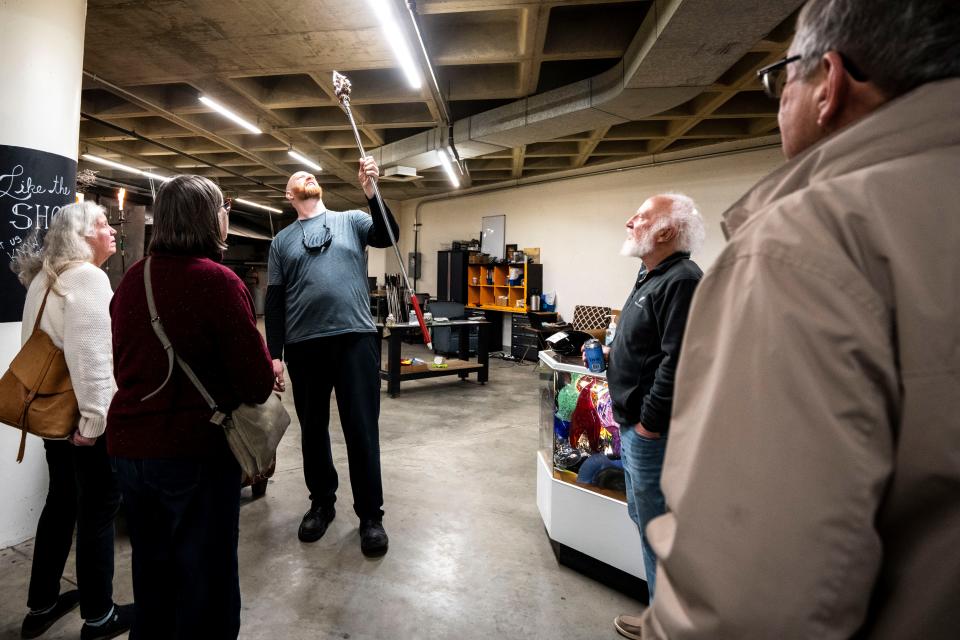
x=314, y=523
x=373, y=538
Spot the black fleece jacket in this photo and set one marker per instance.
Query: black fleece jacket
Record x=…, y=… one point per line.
x=646, y=348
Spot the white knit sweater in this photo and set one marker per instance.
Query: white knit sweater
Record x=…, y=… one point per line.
x=79, y=323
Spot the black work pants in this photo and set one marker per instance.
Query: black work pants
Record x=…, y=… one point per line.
x=350, y=365
x=83, y=493
x=184, y=516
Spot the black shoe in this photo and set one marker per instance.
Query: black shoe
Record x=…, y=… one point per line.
x=35, y=624
x=314, y=523
x=120, y=622
x=373, y=538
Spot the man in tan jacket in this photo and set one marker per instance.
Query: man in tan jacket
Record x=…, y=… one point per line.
x=813, y=476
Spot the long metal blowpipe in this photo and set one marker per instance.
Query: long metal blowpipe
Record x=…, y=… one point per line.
x=342, y=88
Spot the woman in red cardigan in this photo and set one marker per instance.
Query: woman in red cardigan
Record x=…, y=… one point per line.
x=180, y=482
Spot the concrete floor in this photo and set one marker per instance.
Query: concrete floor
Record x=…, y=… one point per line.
x=468, y=557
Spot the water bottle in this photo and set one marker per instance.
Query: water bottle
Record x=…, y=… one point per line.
x=611, y=332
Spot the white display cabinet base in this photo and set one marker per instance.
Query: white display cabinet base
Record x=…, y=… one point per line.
x=590, y=532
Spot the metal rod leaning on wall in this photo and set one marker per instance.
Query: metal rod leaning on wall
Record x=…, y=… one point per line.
x=342, y=88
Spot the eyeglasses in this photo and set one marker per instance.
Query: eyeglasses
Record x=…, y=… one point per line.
x=319, y=240
x=227, y=203
x=773, y=77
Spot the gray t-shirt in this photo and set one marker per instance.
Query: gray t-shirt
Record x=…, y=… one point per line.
x=326, y=292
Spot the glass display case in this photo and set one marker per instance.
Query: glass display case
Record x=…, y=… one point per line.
x=580, y=482
x=577, y=430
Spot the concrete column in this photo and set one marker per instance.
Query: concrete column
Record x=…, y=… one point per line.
x=41, y=46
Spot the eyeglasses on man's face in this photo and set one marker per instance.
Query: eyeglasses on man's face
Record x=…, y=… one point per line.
x=773, y=77
x=227, y=203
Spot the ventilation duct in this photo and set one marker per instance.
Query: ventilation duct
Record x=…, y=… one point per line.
x=680, y=50
x=400, y=173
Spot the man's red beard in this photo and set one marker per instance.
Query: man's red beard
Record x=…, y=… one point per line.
x=307, y=190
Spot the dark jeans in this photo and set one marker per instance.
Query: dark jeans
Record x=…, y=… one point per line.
x=349, y=364
x=642, y=465
x=83, y=492
x=184, y=523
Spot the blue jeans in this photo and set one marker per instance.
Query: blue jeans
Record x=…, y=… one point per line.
x=642, y=463
x=183, y=515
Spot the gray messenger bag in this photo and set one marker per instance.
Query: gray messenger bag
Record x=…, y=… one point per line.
x=253, y=431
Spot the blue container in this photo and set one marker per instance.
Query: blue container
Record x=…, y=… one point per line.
x=593, y=352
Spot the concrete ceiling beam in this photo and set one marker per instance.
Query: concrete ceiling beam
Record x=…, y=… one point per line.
x=534, y=38
x=516, y=170
x=587, y=146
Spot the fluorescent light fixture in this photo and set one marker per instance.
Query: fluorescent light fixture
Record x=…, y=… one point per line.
x=305, y=160
x=147, y=174
x=123, y=167
x=391, y=31
x=110, y=163
x=153, y=176
x=222, y=110
x=448, y=168
x=259, y=206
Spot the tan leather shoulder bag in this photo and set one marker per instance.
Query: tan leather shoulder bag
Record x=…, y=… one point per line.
x=36, y=393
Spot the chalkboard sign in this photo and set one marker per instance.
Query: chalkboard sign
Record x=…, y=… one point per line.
x=34, y=185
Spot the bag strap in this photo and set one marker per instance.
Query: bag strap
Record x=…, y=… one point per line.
x=157, y=326
x=43, y=305
x=23, y=445
x=32, y=394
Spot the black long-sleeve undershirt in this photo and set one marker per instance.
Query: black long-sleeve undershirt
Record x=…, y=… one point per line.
x=275, y=319
x=378, y=236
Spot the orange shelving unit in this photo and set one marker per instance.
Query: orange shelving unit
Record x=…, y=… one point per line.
x=488, y=286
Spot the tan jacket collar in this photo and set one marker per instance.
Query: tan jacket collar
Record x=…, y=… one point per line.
x=928, y=117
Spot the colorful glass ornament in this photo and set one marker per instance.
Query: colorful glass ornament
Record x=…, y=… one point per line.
x=567, y=402
x=585, y=424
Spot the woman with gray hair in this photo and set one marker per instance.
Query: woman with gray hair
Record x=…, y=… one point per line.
x=71, y=295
